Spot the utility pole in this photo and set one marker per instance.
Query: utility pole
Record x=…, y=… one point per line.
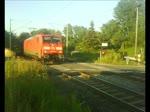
x=10, y=35
x=138, y=5
x=67, y=44
x=136, y=30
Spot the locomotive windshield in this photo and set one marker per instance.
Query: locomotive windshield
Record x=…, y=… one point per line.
x=51, y=39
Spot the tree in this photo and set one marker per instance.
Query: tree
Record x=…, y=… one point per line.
x=14, y=41
x=75, y=35
x=22, y=37
x=79, y=31
x=112, y=35
x=42, y=30
x=70, y=31
x=7, y=39
x=91, y=33
x=125, y=15
x=90, y=42
x=58, y=32
x=45, y=31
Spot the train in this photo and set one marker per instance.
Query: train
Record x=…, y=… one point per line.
x=48, y=48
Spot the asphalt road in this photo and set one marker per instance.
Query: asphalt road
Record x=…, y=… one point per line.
x=98, y=67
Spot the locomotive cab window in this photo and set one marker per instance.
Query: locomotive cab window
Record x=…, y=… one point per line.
x=51, y=39
x=55, y=40
x=47, y=39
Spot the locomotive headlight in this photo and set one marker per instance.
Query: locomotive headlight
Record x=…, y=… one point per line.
x=58, y=48
x=46, y=47
x=45, y=51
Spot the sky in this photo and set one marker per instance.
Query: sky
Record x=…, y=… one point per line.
x=27, y=14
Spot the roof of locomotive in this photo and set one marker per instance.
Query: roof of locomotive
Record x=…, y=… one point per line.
x=42, y=35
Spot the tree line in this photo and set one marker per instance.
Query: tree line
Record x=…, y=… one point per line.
x=119, y=32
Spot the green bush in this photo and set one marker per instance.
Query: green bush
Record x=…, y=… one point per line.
x=9, y=53
x=111, y=57
x=84, y=57
x=131, y=52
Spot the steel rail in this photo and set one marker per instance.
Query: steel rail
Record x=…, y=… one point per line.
x=113, y=91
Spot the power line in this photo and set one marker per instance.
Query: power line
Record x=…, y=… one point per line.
x=22, y=25
x=61, y=9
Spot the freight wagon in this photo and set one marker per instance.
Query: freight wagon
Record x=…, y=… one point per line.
x=45, y=47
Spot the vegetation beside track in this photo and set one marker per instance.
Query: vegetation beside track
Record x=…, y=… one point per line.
x=29, y=89
x=84, y=57
x=111, y=57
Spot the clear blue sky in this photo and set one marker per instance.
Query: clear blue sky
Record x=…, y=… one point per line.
x=38, y=14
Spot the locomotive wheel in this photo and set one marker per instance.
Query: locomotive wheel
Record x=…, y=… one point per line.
x=51, y=61
x=46, y=62
x=42, y=61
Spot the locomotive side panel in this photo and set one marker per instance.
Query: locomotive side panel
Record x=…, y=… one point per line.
x=37, y=46
x=31, y=47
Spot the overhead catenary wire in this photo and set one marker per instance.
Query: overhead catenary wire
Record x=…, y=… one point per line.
x=23, y=25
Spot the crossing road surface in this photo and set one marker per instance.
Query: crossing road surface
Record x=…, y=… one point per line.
x=98, y=67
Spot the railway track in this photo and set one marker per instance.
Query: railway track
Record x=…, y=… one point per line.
x=132, y=99
x=135, y=76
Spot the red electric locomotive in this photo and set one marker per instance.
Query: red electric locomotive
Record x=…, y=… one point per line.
x=46, y=47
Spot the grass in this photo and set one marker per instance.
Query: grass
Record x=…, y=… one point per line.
x=28, y=89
